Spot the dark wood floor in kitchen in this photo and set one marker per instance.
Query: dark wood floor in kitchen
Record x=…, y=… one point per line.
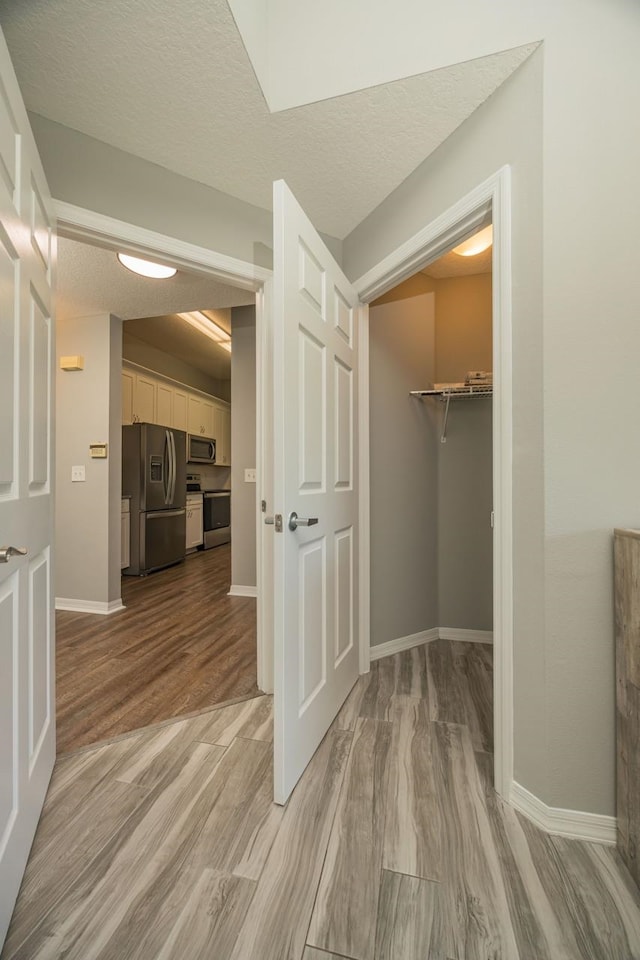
x=180, y=646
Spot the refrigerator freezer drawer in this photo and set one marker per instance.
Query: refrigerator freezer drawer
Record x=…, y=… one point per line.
x=162, y=538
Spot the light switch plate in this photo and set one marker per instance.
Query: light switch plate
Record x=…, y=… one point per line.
x=250, y=475
x=77, y=474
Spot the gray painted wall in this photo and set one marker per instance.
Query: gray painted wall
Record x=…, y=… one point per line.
x=94, y=175
x=404, y=473
x=508, y=129
x=153, y=358
x=88, y=410
x=465, y=538
x=576, y=340
x=243, y=446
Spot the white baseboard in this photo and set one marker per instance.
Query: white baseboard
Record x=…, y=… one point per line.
x=402, y=643
x=238, y=590
x=576, y=824
x=89, y=606
x=469, y=636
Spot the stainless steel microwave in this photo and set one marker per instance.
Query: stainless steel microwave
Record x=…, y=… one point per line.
x=200, y=449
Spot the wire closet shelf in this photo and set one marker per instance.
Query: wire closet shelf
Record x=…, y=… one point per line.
x=471, y=391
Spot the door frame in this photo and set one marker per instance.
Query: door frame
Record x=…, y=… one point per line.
x=88, y=226
x=491, y=198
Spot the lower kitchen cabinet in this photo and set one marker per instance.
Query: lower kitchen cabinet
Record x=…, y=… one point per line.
x=194, y=522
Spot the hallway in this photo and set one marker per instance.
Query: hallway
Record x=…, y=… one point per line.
x=180, y=646
x=164, y=845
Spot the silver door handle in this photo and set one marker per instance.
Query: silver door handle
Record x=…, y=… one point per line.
x=295, y=521
x=7, y=552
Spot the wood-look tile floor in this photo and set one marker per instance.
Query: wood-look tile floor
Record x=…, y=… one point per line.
x=165, y=845
x=180, y=646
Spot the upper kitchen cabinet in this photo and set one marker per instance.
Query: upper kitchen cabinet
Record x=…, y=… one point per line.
x=164, y=404
x=151, y=398
x=200, y=418
x=145, y=399
x=180, y=405
x=139, y=397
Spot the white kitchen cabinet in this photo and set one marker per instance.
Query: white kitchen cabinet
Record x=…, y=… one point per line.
x=149, y=398
x=128, y=387
x=179, y=421
x=125, y=533
x=201, y=416
x=194, y=521
x=208, y=410
x=144, y=399
x=164, y=404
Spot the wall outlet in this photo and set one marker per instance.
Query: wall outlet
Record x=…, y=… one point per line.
x=77, y=474
x=250, y=475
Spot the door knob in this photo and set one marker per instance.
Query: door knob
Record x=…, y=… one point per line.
x=7, y=552
x=295, y=521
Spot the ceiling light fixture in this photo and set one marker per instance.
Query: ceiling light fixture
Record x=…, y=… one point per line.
x=208, y=327
x=146, y=268
x=476, y=244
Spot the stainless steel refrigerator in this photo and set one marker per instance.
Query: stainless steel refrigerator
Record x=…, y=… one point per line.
x=154, y=475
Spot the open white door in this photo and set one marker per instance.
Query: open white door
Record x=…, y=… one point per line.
x=315, y=476
x=27, y=709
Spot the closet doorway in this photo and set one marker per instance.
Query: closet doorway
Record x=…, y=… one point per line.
x=431, y=483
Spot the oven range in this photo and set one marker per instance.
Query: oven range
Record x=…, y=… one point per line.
x=216, y=512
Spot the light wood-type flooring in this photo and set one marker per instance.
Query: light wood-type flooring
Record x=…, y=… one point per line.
x=180, y=646
x=165, y=845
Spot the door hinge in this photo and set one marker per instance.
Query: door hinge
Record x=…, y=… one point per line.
x=493, y=519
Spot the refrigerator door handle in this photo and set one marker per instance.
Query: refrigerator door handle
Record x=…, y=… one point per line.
x=173, y=466
x=168, y=468
x=160, y=514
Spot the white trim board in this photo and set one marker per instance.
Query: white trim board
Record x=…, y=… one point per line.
x=466, y=636
x=402, y=643
x=390, y=647
x=91, y=227
x=576, y=824
x=89, y=606
x=238, y=590
x=490, y=199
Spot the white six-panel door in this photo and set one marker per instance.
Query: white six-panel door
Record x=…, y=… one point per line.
x=315, y=475
x=27, y=710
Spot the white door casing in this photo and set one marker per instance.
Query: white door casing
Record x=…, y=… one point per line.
x=315, y=313
x=27, y=708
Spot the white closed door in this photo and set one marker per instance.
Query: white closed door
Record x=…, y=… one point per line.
x=315, y=328
x=27, y=708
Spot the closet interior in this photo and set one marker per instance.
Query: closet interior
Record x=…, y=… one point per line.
x=431, y=396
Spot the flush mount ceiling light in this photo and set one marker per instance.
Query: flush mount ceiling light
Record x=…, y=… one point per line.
x=146, y=268
x=476, y=244
x=200, y=321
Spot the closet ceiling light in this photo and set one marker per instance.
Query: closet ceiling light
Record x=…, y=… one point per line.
x=476, y=244
x=146, y=268
x=206, y=325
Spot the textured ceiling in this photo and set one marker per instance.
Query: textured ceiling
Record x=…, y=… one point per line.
x=90, y=281
x=453, y=265
x=172, y=83
x=171, y=334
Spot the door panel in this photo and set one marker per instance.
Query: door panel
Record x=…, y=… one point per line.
x=27, y=264
x=315, y=436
